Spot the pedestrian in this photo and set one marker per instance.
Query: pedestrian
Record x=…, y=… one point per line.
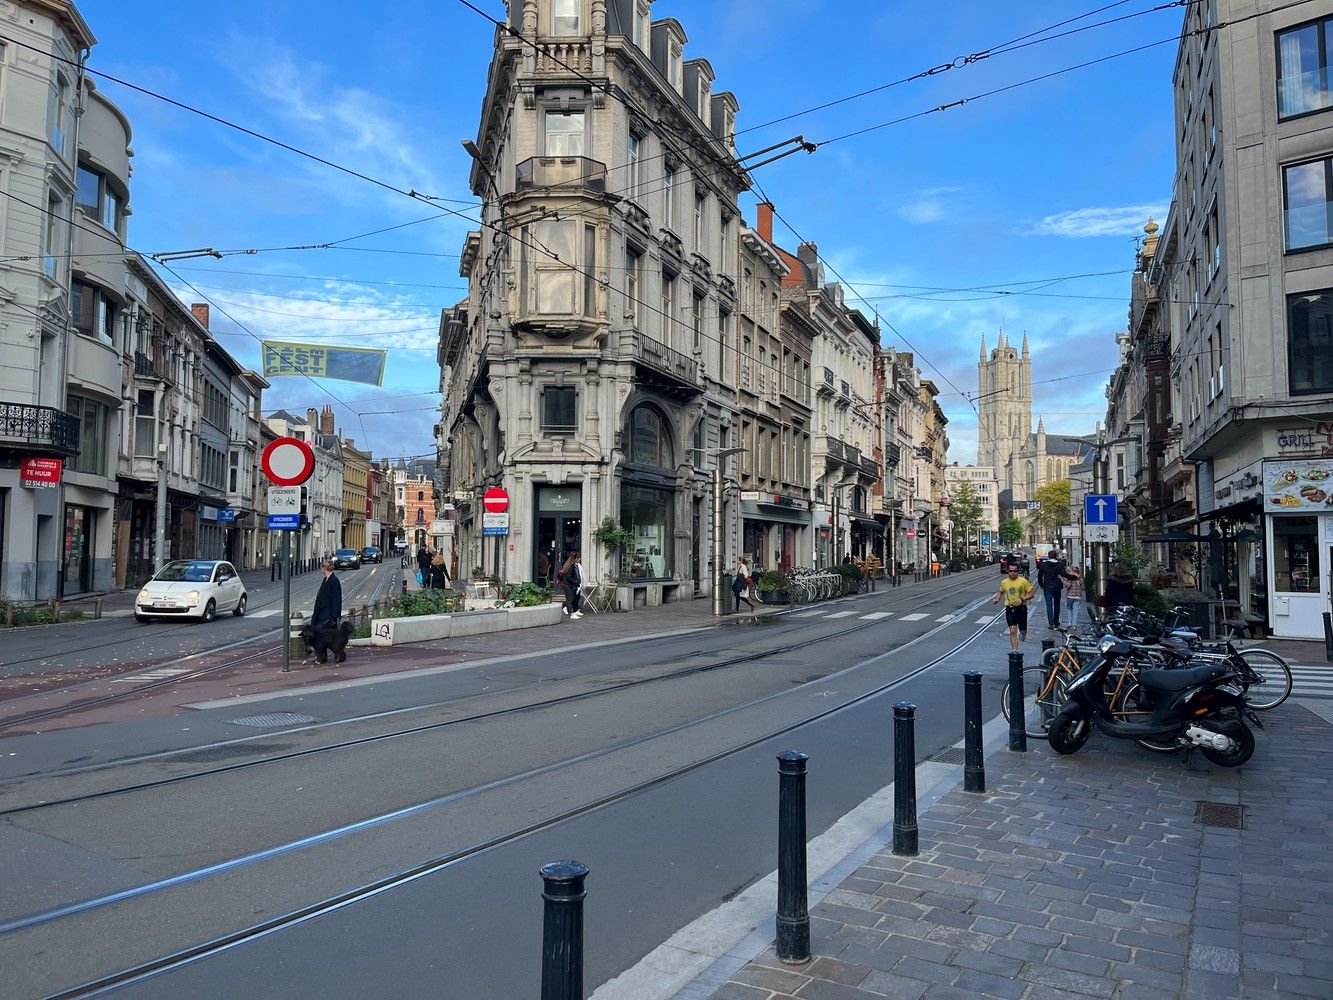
x=439, y=574
x=740, y=586
x=543, y=568
x=1016, y=592
x=1074, y=598
x=423, y=564
x=571, y=580
x=1120, y=588
x=1051, y=574
x=328, y=607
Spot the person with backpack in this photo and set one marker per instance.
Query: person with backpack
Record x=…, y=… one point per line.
x=1051, y=574
x=571, y=578
x=740, y=586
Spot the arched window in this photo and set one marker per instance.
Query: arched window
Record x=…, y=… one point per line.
x=1031, y=478
x=1050, y=470
x=648, y=438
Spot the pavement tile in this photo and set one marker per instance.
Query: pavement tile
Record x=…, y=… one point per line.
x=927, y=972
x=1076, y=982
x=835, y=970
x=985, y=984
x=739, y=991
x=777, y=980
x=895, y=987
x=816, y=990
x=929, y=950
x=981, y=961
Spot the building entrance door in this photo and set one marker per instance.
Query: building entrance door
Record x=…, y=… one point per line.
x=697, y=536
x=77, y=564
x=558, y=531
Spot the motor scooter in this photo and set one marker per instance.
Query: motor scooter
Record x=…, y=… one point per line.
x=1192, y=708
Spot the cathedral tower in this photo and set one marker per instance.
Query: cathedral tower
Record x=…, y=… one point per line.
x=1004, y=389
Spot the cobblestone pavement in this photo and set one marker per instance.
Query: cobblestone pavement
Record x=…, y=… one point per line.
x=1094, y=875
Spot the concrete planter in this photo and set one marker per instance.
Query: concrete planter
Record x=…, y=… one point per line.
x=625, y=598
x=428, y=628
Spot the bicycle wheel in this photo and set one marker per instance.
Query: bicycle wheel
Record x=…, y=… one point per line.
x=1270, y=685
x=1043, y=697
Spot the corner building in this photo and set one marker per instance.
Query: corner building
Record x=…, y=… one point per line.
x=592, y=369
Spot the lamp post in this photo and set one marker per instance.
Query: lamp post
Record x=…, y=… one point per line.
x=160, y=517
x=719, y=454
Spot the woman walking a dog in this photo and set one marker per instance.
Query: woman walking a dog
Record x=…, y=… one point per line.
x=328, y=611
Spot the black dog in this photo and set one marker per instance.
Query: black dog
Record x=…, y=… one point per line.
x=318, y=641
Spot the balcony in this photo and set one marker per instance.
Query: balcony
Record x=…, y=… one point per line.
x=560, y=54
x=1143, y=304
x=924, y=452
x=869, y=467
x=835, y=448
x=570, y=172
x=144, y=366
x=42, y=429
x=826, y=387
x=851, y=454
x=893, y=456
x=668, y=370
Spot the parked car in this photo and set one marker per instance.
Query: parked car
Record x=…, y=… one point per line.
x=372, y=554
x=347, y=559
x=191, y=588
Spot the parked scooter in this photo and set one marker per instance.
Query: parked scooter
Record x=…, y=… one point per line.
x=1192, y=707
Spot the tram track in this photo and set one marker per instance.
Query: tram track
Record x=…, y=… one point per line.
x=328, y=904
x=748, y=657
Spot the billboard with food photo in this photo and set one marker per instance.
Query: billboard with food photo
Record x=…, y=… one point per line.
x=1298, y=485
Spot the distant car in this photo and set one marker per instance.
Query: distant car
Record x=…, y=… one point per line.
x=347, y=559
x=191, y=588
x=372, y=554
x=1006, y=558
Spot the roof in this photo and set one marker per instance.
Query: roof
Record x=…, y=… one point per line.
x=1060, y=444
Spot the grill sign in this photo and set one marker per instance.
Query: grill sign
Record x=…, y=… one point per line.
x=40, y=473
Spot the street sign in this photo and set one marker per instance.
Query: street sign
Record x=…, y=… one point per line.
x=284, y=500
x=985, y=539
x=494, y=524
x=911, y=532
x=495, y=500
x=1032, y=505
x=284, y=522
x=1069, y=531
x=288, y=461
x=227, y=515
x=1101, y=532
x=1100, y=508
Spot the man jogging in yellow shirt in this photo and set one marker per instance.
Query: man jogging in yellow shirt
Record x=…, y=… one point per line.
x=1016, y=592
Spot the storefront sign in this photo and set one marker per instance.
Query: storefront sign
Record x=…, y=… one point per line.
x=208, y=513
x=227, y=515
x=558, y=500
x=774, y=499
x=1301, y=485
x=1315, y=440
x=40, y=473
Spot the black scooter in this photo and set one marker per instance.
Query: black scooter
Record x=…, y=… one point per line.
x=1192, y=707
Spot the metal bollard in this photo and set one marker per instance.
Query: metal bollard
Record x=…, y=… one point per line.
x=97, y=608
x=904, y=778
x=1018, y=737
x=793, y=946
x=562, y=930
x=1046, y=646
x=295, y=643
x=974, y=766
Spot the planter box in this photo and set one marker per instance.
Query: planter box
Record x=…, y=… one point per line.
x=774, y=597
x=428, y=628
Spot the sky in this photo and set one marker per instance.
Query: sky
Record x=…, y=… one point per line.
x=1014, y=210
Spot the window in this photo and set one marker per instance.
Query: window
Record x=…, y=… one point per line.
x=92, y=435
x=558, y=411
x=564, y=133
x=641, y=26
x=421, y=516
x=700, y=207
x=56, y=110
x=747, y=291
x=565, y=17
x=421, y=496
x=649, y=438
x=94, y=315
x=668, y=307
x=668, y=198
x=89, y=188
x=1308, y=195
x=1296, y=554
x=145, y=425
x=1310, y=342
x=589, y=270
x=234, y=472
x=745, y=362
x=1302, y=75
x=51, y=249
x=632, y=166
x=648, y=514
x=721, y=346
x=723, y=264
x=633, y=263
x=212, y=467
x=673, y=67
x=215, y=405
x=549, y=258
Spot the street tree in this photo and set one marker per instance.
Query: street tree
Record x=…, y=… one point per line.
x=1011, y=531
x=965, y=511
x=1054, y=512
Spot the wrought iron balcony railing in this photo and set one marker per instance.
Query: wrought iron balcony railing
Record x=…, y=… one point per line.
x=40, y=428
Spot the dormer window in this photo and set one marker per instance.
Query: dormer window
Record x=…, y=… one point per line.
x=641, y=22
x=566, y=17
x=673, y=67
x=704, y=101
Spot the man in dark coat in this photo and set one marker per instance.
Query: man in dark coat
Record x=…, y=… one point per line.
x=423, y=564
x=324, y=619
x=1051, y=574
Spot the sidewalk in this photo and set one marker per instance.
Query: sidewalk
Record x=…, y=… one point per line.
x=1113, y=873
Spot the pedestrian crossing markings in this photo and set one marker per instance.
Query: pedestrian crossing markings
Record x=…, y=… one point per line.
x=839, y=614
x=875, y=616
x=914, y=618
x=1311, y=682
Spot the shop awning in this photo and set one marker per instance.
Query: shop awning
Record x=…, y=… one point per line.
x=772, y=512
x=1172, y=537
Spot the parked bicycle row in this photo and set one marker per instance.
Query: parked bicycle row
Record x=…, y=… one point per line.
x=1136, y=677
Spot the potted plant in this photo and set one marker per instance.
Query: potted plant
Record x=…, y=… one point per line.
x=624, y=593
x=773, y=588
x=615, y=540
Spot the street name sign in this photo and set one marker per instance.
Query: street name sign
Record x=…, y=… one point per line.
x=1100, y=508
x=284, y=500
x=1101, y=532
x=284, y=522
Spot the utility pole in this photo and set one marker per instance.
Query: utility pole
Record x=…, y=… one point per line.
x=160, y=515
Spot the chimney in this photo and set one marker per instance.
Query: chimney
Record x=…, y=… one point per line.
x=312, y=417
x=200, y=310
x=765, y=223
x=326, y=420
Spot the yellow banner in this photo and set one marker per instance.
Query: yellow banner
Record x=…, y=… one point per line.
x=349, y=364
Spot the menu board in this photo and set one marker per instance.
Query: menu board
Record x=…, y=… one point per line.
x=1297, y=484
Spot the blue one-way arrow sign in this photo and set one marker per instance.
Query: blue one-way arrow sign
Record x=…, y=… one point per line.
x=1100, y=508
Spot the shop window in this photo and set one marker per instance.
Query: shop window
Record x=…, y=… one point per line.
x=558, y=411
x=1296, y=554
x=1310, y=342
x=648, y=514
x=649, y=438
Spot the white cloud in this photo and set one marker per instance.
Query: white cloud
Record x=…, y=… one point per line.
x=1085, y=222
x=930, y=205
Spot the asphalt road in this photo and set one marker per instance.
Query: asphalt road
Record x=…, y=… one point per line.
x=500, y=747
x=92, y=643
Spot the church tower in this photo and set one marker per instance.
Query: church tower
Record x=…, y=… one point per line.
x=1004, y=389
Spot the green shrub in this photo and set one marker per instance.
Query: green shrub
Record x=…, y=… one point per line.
x=770, y=581
x=1148, y=598
x=415, y=603
x=524, y=595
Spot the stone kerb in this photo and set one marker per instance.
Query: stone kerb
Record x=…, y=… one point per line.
x=426, y=628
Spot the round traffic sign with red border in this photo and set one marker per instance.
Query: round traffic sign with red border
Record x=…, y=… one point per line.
x=495, y=500
x=288, y=461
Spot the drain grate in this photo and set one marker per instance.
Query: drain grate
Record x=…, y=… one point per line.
x=1220, y=814
x=273, y=719
x=950, y=755
x=212, y=755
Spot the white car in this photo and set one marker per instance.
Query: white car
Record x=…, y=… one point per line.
x=191, y=588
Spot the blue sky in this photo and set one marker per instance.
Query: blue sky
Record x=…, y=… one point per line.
x=1045, y=181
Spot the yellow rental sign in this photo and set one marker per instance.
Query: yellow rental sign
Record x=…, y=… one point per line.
x=350, y=364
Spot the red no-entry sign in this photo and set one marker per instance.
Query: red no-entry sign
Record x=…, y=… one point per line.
x=288, y=461
x=495, y=500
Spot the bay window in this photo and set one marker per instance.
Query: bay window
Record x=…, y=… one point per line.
x=565, y=133
x=557, y=258
x=558, y=414
x=94, y=314
x=92, y=435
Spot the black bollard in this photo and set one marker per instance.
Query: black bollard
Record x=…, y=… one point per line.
x=974, y=767
x=1018, y=737
x=793, y=946
x=904, y=778
x=1046, y=644
x=562, y=930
